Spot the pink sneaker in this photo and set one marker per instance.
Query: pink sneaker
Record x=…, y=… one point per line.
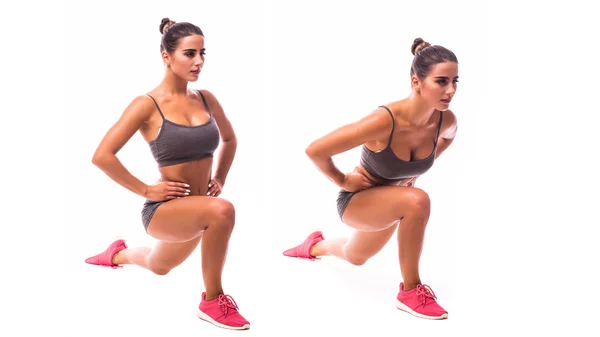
x=420, y=301
x=302, y=251
x=105, y=258
x=222, y=312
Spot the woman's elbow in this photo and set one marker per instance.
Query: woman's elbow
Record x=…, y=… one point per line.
x=311, y=151
x=99, y=158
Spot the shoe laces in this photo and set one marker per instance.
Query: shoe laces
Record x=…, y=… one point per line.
x=425, y=292
x=226, y=303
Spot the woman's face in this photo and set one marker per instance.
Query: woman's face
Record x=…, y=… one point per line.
x=187, y=60
x=438, y=88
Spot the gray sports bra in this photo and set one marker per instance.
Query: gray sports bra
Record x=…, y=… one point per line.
x=385, y=166
x=176, y=143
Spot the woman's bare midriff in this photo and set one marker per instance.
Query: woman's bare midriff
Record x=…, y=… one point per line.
x=196, y=173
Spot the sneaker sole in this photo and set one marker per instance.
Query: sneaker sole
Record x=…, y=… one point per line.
x=208, y=319
x=403, y=307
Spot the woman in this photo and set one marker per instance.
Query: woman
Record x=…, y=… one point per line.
x=182, y=127
x=400, y=142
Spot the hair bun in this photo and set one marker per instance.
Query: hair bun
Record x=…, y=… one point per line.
x=418, y=45
x=164, y=24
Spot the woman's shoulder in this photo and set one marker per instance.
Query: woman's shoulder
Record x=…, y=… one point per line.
x=449, y=124
x=202, y=93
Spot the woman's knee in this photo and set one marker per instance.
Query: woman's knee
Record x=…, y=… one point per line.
x=419, y=200
x=159, y=268
x=224, y=213
x=355, y=259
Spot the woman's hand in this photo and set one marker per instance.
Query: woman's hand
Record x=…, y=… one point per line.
x=215, y=186
x=356, y=182
x=167, y=190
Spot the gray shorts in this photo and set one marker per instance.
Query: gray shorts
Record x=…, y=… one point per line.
x=148, y=211
x=343, y=200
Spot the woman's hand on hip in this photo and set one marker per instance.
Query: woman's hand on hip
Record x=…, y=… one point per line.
x=167, y=190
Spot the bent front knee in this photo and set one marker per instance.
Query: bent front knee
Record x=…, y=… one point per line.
x=419, y=200
x=224, y=214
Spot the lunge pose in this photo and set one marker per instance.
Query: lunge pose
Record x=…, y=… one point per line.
x=183, y=128
x=400, y=141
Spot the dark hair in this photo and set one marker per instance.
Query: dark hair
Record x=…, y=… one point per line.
x=173, y=31
x=427, y=55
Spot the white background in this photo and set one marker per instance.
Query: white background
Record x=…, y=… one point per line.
x=510, y=240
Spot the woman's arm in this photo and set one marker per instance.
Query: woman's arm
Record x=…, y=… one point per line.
x=377, y=125
x=105, y=157
x=448, y=132
x=229, y=146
